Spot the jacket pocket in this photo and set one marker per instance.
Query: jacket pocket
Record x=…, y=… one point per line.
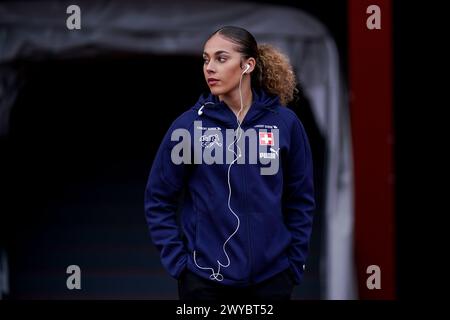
x=270, y=238
x=215, y=245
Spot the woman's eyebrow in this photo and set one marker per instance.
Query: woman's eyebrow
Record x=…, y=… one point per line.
x=217, y=52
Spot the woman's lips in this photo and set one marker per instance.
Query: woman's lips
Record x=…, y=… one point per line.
x=212, y=82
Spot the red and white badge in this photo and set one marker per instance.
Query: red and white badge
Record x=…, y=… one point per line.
x=265, y=139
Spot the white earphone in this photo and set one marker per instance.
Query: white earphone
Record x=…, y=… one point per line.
x=247, y=66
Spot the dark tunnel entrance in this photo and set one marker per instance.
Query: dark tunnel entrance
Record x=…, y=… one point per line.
x=82, y=138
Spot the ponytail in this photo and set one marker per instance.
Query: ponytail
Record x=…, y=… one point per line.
x=274, y=73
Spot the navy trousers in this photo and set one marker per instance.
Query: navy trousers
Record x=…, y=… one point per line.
x=194, y=288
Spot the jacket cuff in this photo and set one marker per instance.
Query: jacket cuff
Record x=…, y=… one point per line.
x=297, y=272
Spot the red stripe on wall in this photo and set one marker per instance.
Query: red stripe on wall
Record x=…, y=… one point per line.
x=370, y=76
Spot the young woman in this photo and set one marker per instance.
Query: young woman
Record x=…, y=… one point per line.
x=245, y=163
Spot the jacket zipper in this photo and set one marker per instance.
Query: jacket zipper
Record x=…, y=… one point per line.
x=249, y=235
x=245, y=208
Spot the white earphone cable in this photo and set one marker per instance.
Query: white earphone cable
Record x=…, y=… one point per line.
x=217, y=275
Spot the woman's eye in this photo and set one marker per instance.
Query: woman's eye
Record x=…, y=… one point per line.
x=221, y=59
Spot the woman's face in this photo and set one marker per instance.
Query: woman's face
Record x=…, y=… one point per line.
x=222, y=65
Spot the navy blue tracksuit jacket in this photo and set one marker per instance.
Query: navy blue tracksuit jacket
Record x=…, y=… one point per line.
x=264, y=226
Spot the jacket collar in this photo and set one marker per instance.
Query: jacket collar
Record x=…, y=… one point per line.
x=209, y=106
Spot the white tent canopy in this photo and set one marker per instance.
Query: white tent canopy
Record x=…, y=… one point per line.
x=37, y=31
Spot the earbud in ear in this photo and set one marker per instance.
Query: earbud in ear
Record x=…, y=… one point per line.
x=247, y=66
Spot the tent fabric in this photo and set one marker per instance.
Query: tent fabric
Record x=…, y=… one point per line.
x=37, y=31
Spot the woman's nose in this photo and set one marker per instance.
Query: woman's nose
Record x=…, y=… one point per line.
x=210, y=67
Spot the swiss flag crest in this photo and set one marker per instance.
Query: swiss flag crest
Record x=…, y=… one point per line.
x=265, y=139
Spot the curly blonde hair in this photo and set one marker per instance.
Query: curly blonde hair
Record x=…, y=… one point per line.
x=275, y=73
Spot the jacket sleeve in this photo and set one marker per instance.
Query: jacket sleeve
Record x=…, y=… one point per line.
x=298, y=198
x=162, y=197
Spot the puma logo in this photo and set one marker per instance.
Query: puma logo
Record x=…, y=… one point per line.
x=275, y=151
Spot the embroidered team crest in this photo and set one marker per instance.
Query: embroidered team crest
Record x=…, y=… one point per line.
x=265, y=139
x=209, y=140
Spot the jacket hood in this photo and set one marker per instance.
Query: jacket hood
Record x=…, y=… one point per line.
x=210, y=106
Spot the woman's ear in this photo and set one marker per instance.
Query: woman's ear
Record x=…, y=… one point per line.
x=249, y=65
